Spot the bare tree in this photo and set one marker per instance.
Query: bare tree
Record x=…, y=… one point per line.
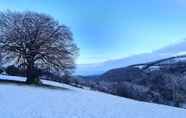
x=34, y=40
x=175, y=80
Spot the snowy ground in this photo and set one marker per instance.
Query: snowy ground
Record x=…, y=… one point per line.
x=30, y=102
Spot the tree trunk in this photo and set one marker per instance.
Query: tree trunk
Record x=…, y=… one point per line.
x=32, y=77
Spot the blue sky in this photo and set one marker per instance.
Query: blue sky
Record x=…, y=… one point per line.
x=112, y=29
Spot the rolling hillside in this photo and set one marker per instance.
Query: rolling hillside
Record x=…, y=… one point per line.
x=99, y=68
x=34, y=102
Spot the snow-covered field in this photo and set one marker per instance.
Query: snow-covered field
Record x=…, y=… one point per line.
x=34, y=102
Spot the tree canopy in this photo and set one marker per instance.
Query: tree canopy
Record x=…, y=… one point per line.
x=35, y=40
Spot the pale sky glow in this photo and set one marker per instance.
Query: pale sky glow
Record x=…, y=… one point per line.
x=111, y=29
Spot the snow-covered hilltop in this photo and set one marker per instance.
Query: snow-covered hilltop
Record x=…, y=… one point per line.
x=176, y=49
x=34, y=102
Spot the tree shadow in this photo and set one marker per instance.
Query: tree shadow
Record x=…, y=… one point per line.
x=21, y=83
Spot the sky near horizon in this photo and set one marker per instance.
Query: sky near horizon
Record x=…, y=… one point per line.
x=113, y=29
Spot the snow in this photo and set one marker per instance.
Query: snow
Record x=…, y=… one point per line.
x=34, y=102
x=5, y=77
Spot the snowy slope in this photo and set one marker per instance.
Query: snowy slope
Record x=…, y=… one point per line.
x=29, y=102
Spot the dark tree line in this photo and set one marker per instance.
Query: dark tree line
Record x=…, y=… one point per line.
x=33, y=40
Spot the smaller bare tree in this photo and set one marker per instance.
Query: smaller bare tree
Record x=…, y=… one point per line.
x=175, y=85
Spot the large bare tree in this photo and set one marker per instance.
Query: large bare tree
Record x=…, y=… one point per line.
x=36, y=40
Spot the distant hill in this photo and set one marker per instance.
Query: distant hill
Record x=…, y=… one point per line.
x=156, y=81
x=100, y=68
x=176, y=64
